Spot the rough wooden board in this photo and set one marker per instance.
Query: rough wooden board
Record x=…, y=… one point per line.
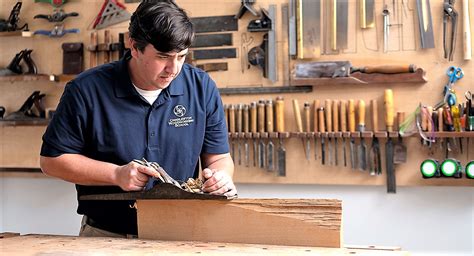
x=301, y=222
x=70, y=245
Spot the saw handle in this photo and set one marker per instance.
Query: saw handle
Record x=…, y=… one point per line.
x=388, y=69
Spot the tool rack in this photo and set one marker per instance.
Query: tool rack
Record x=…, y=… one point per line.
x=236, y=87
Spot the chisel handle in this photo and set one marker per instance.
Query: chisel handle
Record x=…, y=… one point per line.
x=440, y=120
x=466, y=30
x=400, y=119
x=361, y=114
x=424, y=119
x=226, y=114
x=246, y=118
x=315, y=115
x=430, y=114
x=321, y=121
x=297, y=113
x=93, y=54
x=374, y=115
x=261, y=116
x=343, y=116
x=269, y=115
x=335, y=115
x=239, y=118
x=389, y=109
x=280, y=114
x=232, y=118
x=253, y=117
x=389, y=69
x=328, y=108
x=307, y=116
x=352, y=119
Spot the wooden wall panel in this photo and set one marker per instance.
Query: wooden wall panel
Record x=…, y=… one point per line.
x=48, y=56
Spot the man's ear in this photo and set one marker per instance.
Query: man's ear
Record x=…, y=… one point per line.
x=133, y=49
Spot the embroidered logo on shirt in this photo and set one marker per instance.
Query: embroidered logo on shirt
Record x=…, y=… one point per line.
x=179, y=110
x=181, y=121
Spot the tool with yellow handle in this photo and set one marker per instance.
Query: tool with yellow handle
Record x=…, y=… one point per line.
x=299, y=122
x=280, y=128
x=269, y=122
x=307, y=127
x=261, y=131
x=389, y=117
x=362, y=149
x=328, y=115
x=351, y=121
x=253, y=130
x=315, y=127
x=343, y=117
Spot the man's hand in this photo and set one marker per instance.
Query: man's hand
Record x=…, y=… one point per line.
x=218, y=182
x=134, y=176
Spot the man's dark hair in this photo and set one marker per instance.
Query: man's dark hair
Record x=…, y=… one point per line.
x=163, y=24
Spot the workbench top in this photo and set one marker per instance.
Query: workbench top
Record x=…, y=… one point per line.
x=72, y=245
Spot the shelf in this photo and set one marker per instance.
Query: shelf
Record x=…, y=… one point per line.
x=25, y=78
x=33, y=122
x=365, y=134
x=363, y=78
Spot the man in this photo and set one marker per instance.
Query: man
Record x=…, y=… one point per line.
x=148, y=105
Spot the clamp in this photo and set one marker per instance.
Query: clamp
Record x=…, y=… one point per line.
x=450, y=15
x=57, y=16
x=58, y=31
x=246, y=5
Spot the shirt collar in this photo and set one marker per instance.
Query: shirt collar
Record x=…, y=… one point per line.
x=124, y=86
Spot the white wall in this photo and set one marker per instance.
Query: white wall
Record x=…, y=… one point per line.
x=419, y=219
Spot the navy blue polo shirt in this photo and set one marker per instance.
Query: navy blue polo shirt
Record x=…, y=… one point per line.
x=102, y=116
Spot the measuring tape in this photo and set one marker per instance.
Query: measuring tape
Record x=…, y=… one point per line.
x=450, y=168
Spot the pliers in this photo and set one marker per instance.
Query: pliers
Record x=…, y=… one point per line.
x=450, y=15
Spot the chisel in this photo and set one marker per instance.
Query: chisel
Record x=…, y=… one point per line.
x=343, y=117
x=307, y=127
x=328, y=115
x=269, y=125
x=299, y=122
x=232, y=128
x=375, y=167
x=315, y=127
x=253, y=130
x=246, y=134
x=389, y=118
x=351, y=121
x=261, y=131
x=335, y=125
x=362, y=150
x=280, y=128
x=322, y=130
x=239, y=132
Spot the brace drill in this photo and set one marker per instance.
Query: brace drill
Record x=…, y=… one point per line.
x=449, y=15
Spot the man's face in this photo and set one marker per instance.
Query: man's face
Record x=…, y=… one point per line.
x=156, y=70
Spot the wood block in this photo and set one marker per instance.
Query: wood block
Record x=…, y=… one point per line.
x=298, y=222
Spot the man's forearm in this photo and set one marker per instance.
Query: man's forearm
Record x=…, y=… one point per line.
x=220, y=162
x=79, y=169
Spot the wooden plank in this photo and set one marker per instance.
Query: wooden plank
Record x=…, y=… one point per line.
x=70, y=245
x=300, y=222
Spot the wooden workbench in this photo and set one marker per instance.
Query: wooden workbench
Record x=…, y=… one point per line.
x=71, y=245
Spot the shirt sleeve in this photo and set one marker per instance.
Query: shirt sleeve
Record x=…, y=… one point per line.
x=66, y=131
x=216, y=136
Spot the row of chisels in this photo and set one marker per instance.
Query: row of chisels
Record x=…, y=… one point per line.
x=261, y=122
